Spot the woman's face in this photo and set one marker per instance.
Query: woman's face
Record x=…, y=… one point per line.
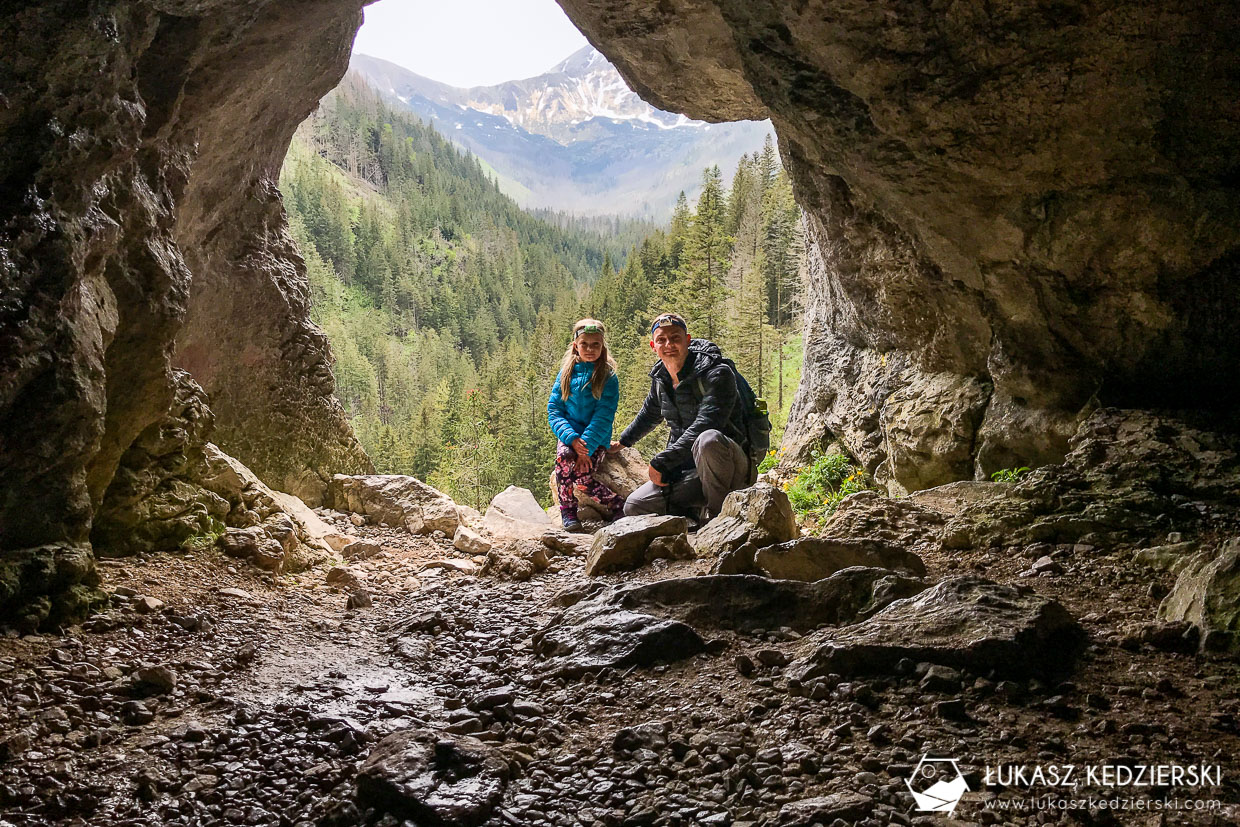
x=589, y=346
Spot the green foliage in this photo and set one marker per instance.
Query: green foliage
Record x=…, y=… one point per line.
x=201, y=542
x=448, y=307
x=818, y=488
x=1009, y=474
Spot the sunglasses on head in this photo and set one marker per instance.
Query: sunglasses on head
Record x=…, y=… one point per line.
x=590, y=328
x=664, y=321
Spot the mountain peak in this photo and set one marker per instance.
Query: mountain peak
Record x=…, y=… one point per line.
x=580, y=62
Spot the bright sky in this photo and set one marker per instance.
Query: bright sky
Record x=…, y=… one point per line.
x=469, y=42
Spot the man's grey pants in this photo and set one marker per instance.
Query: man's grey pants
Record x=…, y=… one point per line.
x=722, y=467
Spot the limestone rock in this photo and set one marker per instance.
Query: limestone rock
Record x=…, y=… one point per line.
x=622, y=472
x=994, y=290
x=745, y=602
x=751, y=518
x=965, y=623
x=361, y=550
x=1207, y=594
x=1130, y=476
x=396, y=500
x=572, y=545
x=813, y=558
x=435, y=779
x=470, y=541
x=626, y=543
x=152, y=502
x=516, y=560
x=514, y=514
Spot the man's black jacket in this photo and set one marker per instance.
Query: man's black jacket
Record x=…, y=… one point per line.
x=705, y=398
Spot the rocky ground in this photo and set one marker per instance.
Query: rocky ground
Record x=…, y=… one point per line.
x=215, y=694
x=419, y=684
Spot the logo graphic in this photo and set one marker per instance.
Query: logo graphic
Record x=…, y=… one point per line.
x=937, y=785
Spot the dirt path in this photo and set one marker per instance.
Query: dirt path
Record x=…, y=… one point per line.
x=256, y=706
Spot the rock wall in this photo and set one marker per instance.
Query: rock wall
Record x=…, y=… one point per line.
x=141, y=143
x=1020, y=209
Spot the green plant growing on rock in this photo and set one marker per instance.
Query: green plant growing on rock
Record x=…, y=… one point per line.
x=819, y=487
x=206, y=539
x=1009, y=474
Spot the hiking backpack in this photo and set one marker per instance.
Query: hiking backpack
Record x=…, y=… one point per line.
x=750, y=416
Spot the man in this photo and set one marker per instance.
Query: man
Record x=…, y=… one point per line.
x=695, y=393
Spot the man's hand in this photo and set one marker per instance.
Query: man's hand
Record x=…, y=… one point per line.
x=614, y=449
x=655, y=476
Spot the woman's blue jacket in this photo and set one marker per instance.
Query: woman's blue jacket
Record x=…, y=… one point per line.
x=581, y=415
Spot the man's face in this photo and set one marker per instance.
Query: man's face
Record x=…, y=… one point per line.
x=671, y=344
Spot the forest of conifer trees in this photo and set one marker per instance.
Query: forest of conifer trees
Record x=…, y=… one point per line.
x=448, y=307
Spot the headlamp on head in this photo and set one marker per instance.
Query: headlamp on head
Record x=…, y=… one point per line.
x=590, y=328
x=666, y=320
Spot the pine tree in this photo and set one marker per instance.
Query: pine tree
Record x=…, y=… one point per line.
x=705, y=259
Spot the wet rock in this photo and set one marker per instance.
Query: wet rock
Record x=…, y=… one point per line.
x=746, y=602
x=626, y=543
x=813, y=558
x=470, y=541
x=846, y=806
x=359, y=598
x=435, y=780
x=514, y=514
x=395, y=500
x=965, y=622
x=136, y=713
x=651, y=736
x=1207, y=594
x=591, y=636
x=751, y=518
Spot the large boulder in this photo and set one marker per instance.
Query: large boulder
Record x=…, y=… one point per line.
x=514, y=514
x=751, y=518
x=632, y=542
x=594, y=635
x=1207, y=594
x=746, y=602
x=622, y=472
x=296, y=531
x=813, y=558
x=396, y=500
x=435, y=779
x=965, y=623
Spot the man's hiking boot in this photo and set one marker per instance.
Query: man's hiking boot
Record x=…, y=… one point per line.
x=573, y=526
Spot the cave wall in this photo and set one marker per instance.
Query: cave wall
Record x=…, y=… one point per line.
x=1021, y=209
x=142, y=142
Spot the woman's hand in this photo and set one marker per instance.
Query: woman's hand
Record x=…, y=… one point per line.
x=579, y=446
x=584, y=464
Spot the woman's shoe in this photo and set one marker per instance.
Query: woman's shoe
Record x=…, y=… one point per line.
x=573, y=526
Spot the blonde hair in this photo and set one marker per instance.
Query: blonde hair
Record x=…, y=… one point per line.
x=603, y=368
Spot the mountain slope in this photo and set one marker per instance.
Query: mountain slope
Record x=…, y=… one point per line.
x=574, y=138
